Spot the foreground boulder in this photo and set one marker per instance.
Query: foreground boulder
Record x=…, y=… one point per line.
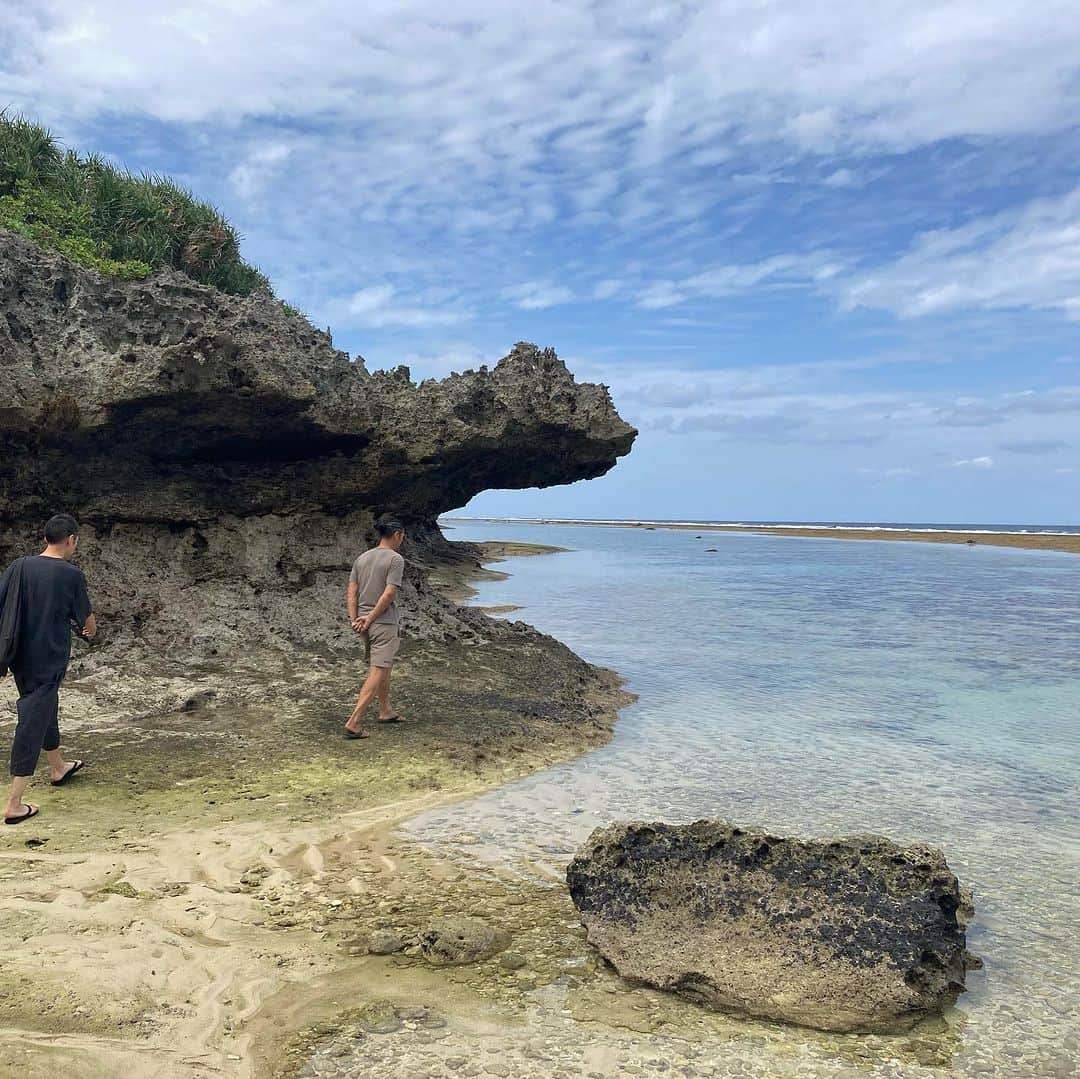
x=853, y=934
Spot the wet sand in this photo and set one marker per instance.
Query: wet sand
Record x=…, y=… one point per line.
x=1032, y=541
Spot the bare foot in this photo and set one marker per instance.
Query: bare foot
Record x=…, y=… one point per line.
x=356, y=732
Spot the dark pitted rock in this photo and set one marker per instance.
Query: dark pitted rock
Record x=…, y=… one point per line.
x=455, y=941
x=853, y=934
x=227, y=462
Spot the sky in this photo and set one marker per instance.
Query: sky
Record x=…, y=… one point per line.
x=826, y=256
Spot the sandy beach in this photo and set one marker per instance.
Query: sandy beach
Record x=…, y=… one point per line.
x=1032, y=541
x=209, y=861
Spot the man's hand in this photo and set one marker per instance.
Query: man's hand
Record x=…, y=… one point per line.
x=90, y=628
x=360, y=624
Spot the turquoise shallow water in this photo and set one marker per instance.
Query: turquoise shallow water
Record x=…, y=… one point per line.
x=921, y=691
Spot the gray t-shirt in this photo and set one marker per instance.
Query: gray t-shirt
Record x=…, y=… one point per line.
x=372, y=572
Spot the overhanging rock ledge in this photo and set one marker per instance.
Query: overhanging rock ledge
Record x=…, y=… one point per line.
x=227, y=461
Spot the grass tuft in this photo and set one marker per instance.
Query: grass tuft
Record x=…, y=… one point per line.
x=110, y=220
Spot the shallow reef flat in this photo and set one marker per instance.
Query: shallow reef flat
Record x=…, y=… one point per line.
x=1030, y=541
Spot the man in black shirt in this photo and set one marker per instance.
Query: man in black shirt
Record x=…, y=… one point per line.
x=52, y=599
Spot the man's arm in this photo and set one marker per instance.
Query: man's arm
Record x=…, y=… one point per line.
x=351, y=605
x=389, y=592
x=82, y=613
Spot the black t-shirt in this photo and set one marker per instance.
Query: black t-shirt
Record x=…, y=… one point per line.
x=53, y=597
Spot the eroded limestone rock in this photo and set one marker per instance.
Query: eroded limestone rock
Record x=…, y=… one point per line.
x=227, y=462
x=849, y=934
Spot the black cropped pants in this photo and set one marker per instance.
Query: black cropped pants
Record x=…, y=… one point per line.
x=39, y=720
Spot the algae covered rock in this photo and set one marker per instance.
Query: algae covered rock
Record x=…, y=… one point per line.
x=455, y=941
x=848, y=934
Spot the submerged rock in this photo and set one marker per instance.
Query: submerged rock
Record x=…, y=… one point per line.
x=852, y=934
x=513, y=961
x=379, y=1017
x=455, y=941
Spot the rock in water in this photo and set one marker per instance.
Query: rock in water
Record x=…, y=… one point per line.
x=853, y=934
x=452, y=942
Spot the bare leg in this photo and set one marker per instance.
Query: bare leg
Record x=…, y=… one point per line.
x=385, y=711
x=368, y=693
x=15, y=806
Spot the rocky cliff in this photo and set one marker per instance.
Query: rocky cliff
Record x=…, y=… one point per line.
x=227, y=462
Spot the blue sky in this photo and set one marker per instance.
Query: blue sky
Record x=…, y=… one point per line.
x=826, y=256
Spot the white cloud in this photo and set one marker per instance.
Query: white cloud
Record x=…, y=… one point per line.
x=377, y=306
x=608, y=288
x=537, y=295
x=840, y=178
x=463, y=357
x=974, y=462
x=255, y=171
x=489, y=115
x=885, y=73
x=1028, y=257
x=660, y=294
x=720, y=281
x=1034, y=446
x=674, y=393
x=1000, y=408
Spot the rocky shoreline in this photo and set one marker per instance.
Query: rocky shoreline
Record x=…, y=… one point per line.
x=227, y=463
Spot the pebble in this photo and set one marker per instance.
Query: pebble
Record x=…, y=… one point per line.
x=512, y=961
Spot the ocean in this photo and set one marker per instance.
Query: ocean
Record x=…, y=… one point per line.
x=818, y=687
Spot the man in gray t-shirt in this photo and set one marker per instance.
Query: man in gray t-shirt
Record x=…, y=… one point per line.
x=373, y=613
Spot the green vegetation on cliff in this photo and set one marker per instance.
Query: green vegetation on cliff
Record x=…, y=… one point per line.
x=109, y=220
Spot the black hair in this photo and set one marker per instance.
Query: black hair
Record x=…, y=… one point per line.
x=387, y=526
x=59, y=527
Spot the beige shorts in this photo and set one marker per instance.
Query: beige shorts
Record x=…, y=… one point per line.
x=381, y=644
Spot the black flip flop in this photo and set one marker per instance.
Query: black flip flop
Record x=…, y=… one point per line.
x=354, y=734
x=76, y=765
x=395, y=718
x=31, y=811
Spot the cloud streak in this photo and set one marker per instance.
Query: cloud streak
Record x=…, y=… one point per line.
x=1028, y=257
